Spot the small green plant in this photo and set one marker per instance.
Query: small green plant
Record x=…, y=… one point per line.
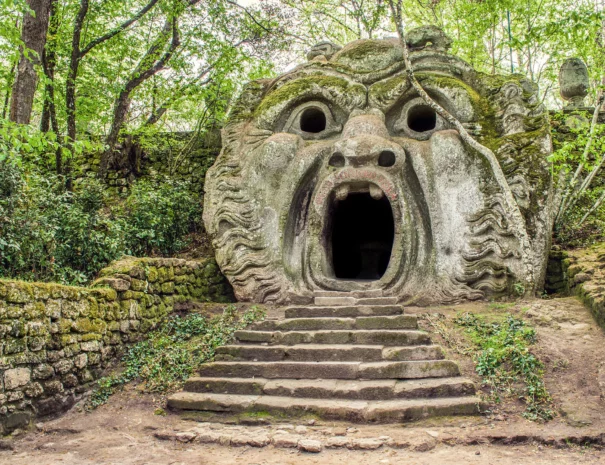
x=519, y=289
x=172, y=352
x=501, y=305
x=504, y=361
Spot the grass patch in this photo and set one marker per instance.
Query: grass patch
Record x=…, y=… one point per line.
x=508, y=368
x=172, y=352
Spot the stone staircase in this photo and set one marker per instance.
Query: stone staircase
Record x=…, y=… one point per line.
x=352, y=357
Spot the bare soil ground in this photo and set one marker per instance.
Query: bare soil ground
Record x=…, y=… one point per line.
x=126, y=430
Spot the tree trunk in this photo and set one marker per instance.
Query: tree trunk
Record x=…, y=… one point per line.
x=49, y=61
x=10, y=78
x=33, y=35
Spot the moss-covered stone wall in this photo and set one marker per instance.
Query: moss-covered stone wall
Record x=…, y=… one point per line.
x=585, y=270
x=55, y=340
x=182, y=155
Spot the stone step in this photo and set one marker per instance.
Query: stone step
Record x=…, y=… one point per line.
x=350, y=299
x=337, y=300
x=356, y=294
x=385, y=411
x=335, y=388
x=317, y=324
x=343, y=312
x=364, y=337
x=326, y=352
x=332, y=370
x=377, y=301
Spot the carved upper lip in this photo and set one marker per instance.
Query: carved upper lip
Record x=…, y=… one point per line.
x=347, y=180
x=344, y=189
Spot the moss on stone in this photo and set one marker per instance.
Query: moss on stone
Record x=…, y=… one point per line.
x=364, y=48
x=297, y=87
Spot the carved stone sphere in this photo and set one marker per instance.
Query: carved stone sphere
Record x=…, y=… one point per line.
x=573, y=80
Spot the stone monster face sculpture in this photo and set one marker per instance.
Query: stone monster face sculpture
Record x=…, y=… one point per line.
x=337, y=176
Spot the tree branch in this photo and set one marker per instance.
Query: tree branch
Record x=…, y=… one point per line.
x=510, y=205
x=147, y=67
x=596, y=205
x=567, y=202
x=105, y=37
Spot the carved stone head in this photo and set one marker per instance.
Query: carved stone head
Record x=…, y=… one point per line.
x=338, y=176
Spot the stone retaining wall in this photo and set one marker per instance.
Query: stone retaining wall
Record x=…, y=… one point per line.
x=585, y=272
x=55, y=340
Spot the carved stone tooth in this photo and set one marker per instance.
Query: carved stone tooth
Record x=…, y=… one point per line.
x=342, y=192
x=376, y=192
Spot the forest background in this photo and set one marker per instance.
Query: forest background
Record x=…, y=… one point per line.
x=92, y=76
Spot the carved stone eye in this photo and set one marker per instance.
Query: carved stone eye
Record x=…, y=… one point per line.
x=312, y=120
x=421, y=118
x=418, y=120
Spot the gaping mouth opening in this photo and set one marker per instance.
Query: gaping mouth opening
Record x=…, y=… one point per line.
x=360, y=232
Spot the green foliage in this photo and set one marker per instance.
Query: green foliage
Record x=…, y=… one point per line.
x=50, y=234
x=220, y=46
x=570, y=141
x=542, y=32
x=172, y=353
x=160, y=215
x=504, y=361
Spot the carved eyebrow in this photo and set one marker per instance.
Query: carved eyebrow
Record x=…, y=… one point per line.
x=387, y=93
x=347, y=94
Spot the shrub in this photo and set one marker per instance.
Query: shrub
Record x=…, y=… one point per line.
x=160, y=215
x=26, y=235
x=173, y=351
x=50, y=234
x=503, y=360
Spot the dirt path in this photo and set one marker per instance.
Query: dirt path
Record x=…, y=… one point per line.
x=126, y=431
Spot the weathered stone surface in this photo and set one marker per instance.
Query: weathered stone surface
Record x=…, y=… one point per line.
x=365, y=337
x=302, y=352
x=413, y=353
x=388, y=411
x=406, y=370
x=352, y=311
x=289, y=441
x=338, y=442
x=337, y=177
x=343, y=370
x=310, y=445
x=186, y=436
x=365, y=444
x=16, y=377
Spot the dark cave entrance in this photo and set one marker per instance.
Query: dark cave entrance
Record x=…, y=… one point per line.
x=362, y=236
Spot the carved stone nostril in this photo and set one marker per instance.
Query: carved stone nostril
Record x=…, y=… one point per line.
x=386, y=158
x=337, y=160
